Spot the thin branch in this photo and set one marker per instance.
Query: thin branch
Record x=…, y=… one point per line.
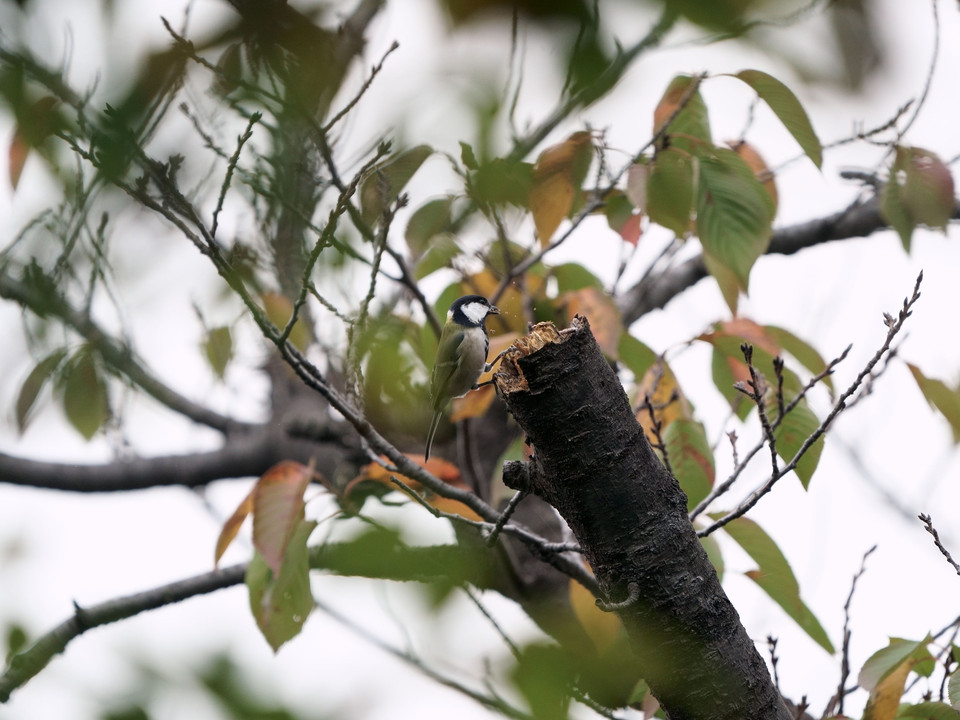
x=491, y=702
x=740, y=465
x=231, y=167
x=47, y=302
x=362, y=91
x=934, y=56
x=757, y=392
x=25, y=665
x=841, y=403
x=505, y=517
x=836, y=702
x=928, y=524
x=586, y=95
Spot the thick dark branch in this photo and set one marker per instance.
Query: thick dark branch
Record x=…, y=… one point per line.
x=47, y=301
x=593, y=463
x=860, y=219
x=249, y=455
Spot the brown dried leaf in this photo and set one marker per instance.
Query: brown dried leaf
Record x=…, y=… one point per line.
x=278, y=508
x=601, y=312
x=666, y=397
x=232, y=526
x=753, y=159
x=557, y=177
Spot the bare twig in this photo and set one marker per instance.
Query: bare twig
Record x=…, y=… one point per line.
x=772, y=647
x=27, y=664
x=841, y=403
x=928, y=525
x=488, y=701
x=505, y=517
x=740, y=465
x=231, y=167
x=836, y=702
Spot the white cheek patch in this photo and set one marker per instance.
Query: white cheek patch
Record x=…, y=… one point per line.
x=475, y=311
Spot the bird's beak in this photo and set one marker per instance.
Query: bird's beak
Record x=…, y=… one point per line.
x=494, y=310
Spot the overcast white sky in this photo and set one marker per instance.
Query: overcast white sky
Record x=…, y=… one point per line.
x=58, y=548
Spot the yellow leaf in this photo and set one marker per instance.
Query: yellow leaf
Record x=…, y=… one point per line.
x=474, y=404
x=512, y=302
x=454, y=507
x=666, y=397
x=445, y=471
x=232, y=526
x=884, y=700
x=600, y=310
x=279, y=308
x=557, y=176
x=603, y=628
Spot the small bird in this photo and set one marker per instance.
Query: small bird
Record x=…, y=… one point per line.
x=461, y=355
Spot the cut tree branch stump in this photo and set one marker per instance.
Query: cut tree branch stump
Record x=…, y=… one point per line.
x=593, y=463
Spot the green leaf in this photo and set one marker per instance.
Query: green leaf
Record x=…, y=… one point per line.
x=670, y=190
x=734, y=213
x=621, y=218
x=787, y=109
x=930, y=710
x=467, y=156
x=502, y=181
x=691, y=125
x=34, y=383
x=942, y=397
x=774, y=576
x=893, y=211
x=543, y=675
x=442, y=250
x=884, y=661
x=574, y=276
x=85, y=399
x=218, y=349
x=635, y=355
x=281, y=602
x=798, y=424
x=953, y=685
x=386, y=181
x=691, y=458
x=429, y=220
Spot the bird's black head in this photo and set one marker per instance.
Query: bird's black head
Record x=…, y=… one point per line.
x=471, y=310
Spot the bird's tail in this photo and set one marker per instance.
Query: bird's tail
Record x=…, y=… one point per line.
x=434, y=424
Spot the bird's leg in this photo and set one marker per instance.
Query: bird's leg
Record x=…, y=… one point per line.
x=489, y=366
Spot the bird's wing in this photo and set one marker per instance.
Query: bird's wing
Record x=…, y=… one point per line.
x=442, y=371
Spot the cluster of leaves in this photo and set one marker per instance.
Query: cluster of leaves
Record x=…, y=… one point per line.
x=884, y=675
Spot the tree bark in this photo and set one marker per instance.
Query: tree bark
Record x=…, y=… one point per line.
x=593, y=463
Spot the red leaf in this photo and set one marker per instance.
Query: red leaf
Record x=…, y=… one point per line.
x=19, y=149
